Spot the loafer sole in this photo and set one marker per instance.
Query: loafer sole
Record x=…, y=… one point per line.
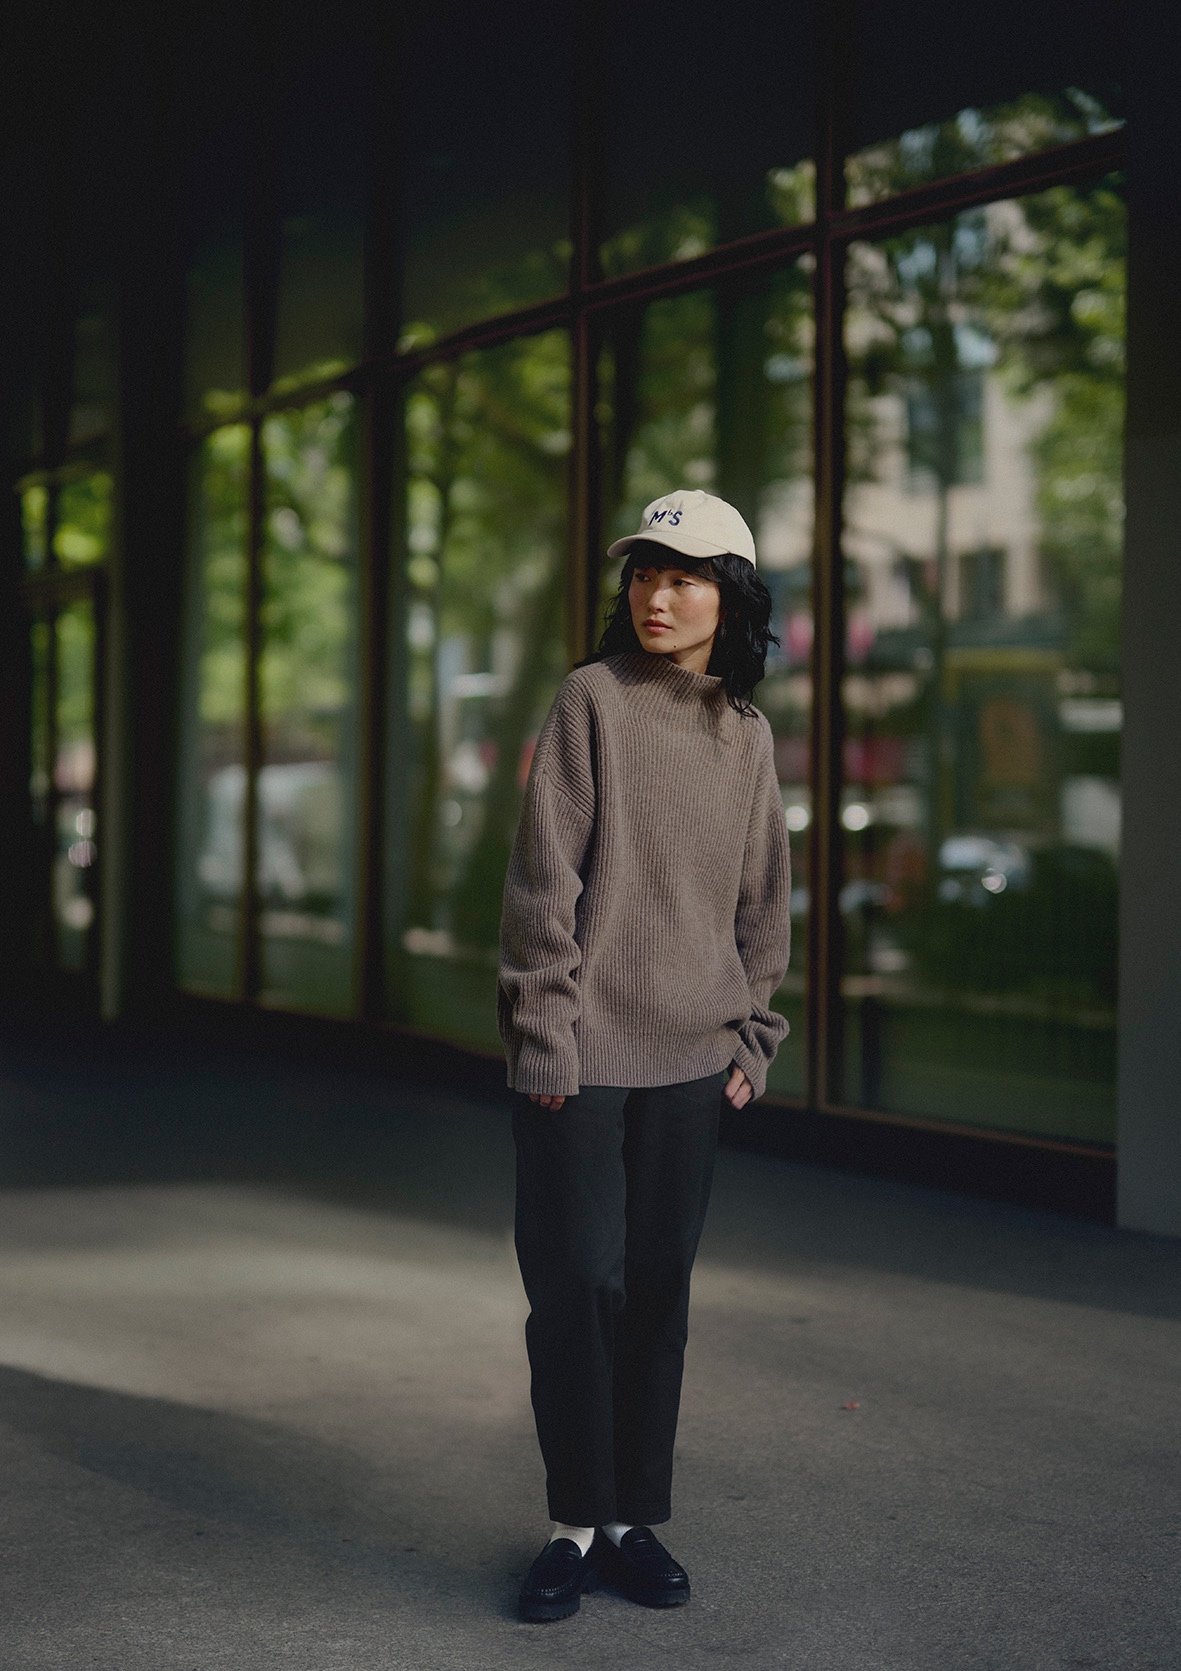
x=545, y=1612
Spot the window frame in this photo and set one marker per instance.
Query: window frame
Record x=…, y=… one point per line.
x=584, y=311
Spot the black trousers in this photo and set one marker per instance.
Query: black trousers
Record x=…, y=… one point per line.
x=611, y=1198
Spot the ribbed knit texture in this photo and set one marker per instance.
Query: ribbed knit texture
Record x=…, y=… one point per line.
x=645, y=920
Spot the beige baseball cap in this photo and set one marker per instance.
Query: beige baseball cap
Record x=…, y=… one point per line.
x=695, y=523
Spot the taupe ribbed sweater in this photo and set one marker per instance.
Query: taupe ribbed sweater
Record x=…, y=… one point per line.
x=645, y=920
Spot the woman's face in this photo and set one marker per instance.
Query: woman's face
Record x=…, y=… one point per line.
x=675, y=613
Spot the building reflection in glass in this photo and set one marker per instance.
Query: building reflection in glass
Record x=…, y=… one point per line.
x=981, y=762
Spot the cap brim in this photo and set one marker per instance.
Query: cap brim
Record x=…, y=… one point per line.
x=674, y=540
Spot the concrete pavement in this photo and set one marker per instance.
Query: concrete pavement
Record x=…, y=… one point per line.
x=263, y=1402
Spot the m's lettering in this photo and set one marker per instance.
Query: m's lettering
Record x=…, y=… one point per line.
x=657, y=516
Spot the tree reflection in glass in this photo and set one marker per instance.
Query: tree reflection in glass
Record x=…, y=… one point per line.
x=974, y=138
x=82, y=534
x=76, y=851
x=213, y=734
x=983, y=547
x=487, y=439
x=306, y=865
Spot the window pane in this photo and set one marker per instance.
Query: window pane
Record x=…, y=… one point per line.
x=213, y=101
x=94, y=361
x=34, y=515
x=488, y=439
x=306, y=789
x=712, y=391
x=981, y=802
x=321, y=152
x=965, y=87
x=695, y=157
x=82, y=535
x=92, y=215
x=74, y=872
x=42, y=650
x=212, y=755
x=487, y=160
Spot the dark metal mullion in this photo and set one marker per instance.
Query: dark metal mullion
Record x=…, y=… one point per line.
x=583, y=499
x=373, y=595
x=583, y=533
x=248, y=949
x=380, y=411
x=49, y=845
x=98, y=604
x=260, y=270
x=823, y=1004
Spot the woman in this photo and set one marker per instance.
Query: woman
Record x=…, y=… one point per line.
x=645, y=928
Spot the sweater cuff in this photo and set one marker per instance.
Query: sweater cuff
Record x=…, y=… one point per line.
x=545, y=1072
x=756, y=1043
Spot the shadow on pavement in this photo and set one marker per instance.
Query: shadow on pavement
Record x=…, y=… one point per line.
x=93, y=1110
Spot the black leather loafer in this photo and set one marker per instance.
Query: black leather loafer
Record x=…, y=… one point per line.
x=644, y=1570
x=557, y=1579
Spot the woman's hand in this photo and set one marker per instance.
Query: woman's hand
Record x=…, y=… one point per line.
x=739, y=1088
x=552, y=1103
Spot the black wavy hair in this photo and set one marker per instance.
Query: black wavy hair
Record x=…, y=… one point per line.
x=739, y=655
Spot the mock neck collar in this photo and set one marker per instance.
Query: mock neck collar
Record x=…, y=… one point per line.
x=642, y=666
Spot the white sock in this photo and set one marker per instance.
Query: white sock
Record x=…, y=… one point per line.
x=583, y=1536
x=615, y=1531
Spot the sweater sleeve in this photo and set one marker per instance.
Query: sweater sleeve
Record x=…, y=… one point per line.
x=537, y=990
x=762, y=924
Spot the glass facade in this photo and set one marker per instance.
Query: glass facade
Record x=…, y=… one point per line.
x=212, y=777
x=980, y=806
x=487, y=439
x=320, y=192
x=63, y=784
x=682, y=174
x=450, y=320
x=65, y=523
x=1012, y=81
x=486, y=142
x=306, y=783
x=74, y=755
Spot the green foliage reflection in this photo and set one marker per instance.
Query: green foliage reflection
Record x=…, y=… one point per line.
x=34, y=513
x=219, y=533
x=974, y=138
x=82, y=534
x=984, y=544
x=488, y=439
x=308, y=623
